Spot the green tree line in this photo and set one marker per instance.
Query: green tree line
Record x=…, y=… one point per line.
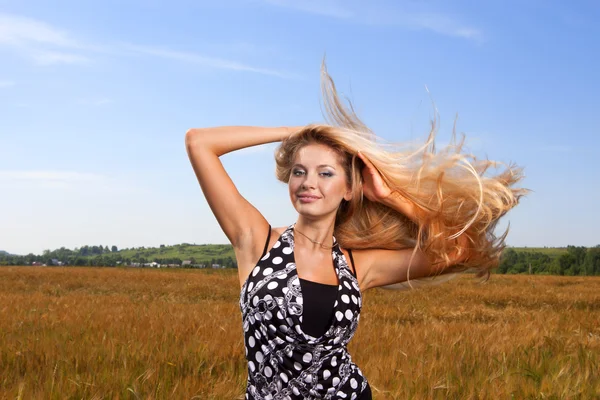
x=105, y=257
x=577, y=260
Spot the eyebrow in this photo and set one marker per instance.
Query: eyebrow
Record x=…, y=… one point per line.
x=318, y=166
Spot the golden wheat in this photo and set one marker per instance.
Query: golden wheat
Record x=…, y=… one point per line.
x=106, y=333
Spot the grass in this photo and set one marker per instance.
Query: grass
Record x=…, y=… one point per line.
x=116, y=333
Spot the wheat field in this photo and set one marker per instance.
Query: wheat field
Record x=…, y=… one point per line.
x=115, y=333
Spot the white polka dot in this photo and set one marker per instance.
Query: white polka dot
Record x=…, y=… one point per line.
x=283, y=328
x=287, y=250
x=300, y=300
x=255, y=271
x=308, y=378
x=272, y=329
x=250, y=287
x=259, y=356
x=335, y=381
x=284, y=377
x=277, y=244
x=251, y=365
x=279, y=315
x=285, y=290
x=268, y=372
x=277, y=260
x=296, y=391
x=326, y=374
x=354, y=299
x=345, y=284
x=297, y=366
x=251, y=341
x=334, y=361
x=255, y=301
x=268, y=315
x=266, y=256
x=349, y=315
x=341, y=394
x=307, y=357
x=353, y=383
x=335, y=304
x=354, y=396
x=346, y=299
x=267, y=271
x=338, y=315
x=257, y=334
x=355, y=286
x=272, y=285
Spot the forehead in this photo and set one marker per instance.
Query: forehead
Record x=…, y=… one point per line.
x=317, y=154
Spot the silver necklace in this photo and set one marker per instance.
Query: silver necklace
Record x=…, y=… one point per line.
x=324, y=246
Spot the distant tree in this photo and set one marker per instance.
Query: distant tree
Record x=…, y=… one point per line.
x=591, y=263
x=114, y=249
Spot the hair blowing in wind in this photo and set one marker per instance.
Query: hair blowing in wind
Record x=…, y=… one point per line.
x=458, y=199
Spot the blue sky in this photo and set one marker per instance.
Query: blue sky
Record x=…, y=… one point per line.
x=95, y=99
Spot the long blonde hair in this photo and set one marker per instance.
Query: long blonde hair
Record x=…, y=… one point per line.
x=454, y=193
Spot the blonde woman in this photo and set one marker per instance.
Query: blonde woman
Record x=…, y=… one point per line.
x=369, y=215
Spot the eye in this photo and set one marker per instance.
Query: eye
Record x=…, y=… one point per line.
x=297, y=172
x=327, y=174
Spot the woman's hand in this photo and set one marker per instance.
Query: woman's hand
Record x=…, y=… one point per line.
x=374, y=188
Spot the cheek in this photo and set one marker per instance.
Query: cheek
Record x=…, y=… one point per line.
x=293, y=185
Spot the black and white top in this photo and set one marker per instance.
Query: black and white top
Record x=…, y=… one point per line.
x=284, y=362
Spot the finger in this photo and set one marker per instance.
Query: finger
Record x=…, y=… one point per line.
x=368, y=163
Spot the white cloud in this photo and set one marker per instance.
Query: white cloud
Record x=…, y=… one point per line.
x=41, y=42
x=320, y=7
x=199, y=59
x=50, y=176
x=101, y=101
x=47, y=45
x=367, y=13
x=44, y=57
x=5, y=84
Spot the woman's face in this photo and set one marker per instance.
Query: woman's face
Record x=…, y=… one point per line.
x=317, y=181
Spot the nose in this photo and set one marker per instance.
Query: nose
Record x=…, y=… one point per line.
x=309, y=181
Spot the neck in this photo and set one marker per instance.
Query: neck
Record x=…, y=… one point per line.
x=318, y=231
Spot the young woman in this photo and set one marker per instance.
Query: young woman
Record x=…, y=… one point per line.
x=368, y=216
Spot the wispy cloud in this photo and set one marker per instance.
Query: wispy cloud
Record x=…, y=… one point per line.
x=368, y=13
x=320, y=7
x=101, y=101
x=41, y=42
x=50, y=176
x=5, y=84
x=212, y=62
x=45, y=45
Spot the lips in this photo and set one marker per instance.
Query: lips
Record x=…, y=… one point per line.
x=307, y=198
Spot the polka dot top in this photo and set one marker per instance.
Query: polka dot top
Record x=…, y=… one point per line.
x=284, y=362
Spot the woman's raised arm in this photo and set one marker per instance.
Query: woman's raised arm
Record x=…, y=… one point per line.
x=242, y=223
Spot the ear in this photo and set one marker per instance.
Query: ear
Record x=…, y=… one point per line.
x=348, y=195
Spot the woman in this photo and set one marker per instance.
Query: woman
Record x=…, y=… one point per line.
x=368, y=216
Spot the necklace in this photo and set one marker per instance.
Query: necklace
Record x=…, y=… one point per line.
x=324, y=246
